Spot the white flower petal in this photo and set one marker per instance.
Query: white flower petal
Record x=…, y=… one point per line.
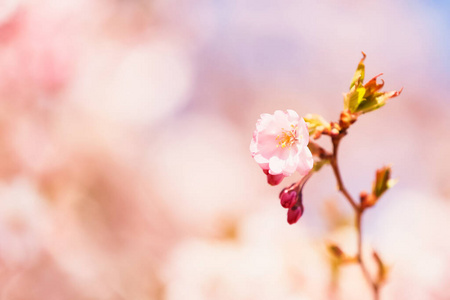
x=306, y=161
x=275, y=165
x=292, y=115
x=291, y=163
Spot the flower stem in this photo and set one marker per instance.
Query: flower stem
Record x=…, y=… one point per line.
x=337, y=174
x=358, y=209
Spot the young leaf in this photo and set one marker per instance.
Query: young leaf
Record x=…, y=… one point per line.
x=374, y=100
x=319, y=164
x=353, y=99
x=316, y=125
x=368, y=97
x=382, y=181
x=383, y=270
x=359, y=73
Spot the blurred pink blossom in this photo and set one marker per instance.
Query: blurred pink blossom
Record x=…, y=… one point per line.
x=100, y=191
x=265, y=262
x=24, y=223
x=39, y=48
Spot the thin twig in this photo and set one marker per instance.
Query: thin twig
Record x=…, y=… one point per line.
x=358, y=211
x=337, y=173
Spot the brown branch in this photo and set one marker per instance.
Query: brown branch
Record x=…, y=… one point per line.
x=358, y=209
x=337, y=173
x=373, y=284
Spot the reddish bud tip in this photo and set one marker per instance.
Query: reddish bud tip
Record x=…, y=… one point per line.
x=288, y=198
x=294, y=214
x=334, y=132
x=274, y=179
x=363, y=195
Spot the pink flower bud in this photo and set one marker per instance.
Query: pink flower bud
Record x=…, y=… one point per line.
x=288, y=198
x=275, y=179
x=294, y=214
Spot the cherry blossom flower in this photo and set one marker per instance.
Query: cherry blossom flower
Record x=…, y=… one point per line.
x=280, y=145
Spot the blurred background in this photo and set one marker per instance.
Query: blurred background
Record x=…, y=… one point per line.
x=125, y=170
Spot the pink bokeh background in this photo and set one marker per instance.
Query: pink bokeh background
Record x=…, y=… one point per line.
x=125, y=171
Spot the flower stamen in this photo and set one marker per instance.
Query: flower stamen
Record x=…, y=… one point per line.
x=288, y=137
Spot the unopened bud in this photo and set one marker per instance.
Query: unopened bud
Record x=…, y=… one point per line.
x=336, y=251
x=345, y=117
x=294, y=214
x=317, y=134
x=274, y=179
x=367, y=200
x=288, y=198
x=363, y=195
x=334, y=132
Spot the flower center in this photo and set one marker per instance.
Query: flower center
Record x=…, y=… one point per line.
x=287, y=137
